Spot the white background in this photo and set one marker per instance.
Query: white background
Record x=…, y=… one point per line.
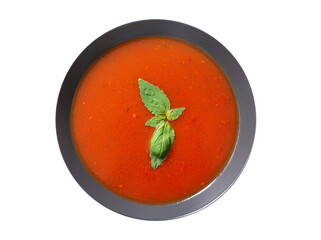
x=277, y=44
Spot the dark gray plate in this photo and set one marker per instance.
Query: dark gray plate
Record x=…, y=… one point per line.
x=239, y=84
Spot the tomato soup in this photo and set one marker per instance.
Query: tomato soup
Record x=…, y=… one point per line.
x=108, y=120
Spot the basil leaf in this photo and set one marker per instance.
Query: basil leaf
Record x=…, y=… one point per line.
x=157, y=102
x=174, y=113
x=154, y=99
x=156, y=161
x=154, y=121
x=161, y=143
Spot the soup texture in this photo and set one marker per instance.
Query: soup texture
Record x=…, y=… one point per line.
x=108, y=120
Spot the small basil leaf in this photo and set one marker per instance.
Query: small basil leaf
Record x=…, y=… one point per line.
x=154, y=99
x=154, y=121
x=161, y=143
x=156, y=161
x=174, y=113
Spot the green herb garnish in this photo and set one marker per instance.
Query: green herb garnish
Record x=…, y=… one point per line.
x=154, y=121
x=158, y=103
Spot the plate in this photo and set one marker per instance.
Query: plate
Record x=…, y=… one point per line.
x=238, y=81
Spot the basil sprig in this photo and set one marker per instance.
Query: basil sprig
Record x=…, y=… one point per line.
x=158, y=103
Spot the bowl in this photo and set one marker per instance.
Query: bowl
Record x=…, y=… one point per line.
x=240, y=86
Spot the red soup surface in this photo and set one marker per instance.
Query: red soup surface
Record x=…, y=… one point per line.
x=108, y=120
